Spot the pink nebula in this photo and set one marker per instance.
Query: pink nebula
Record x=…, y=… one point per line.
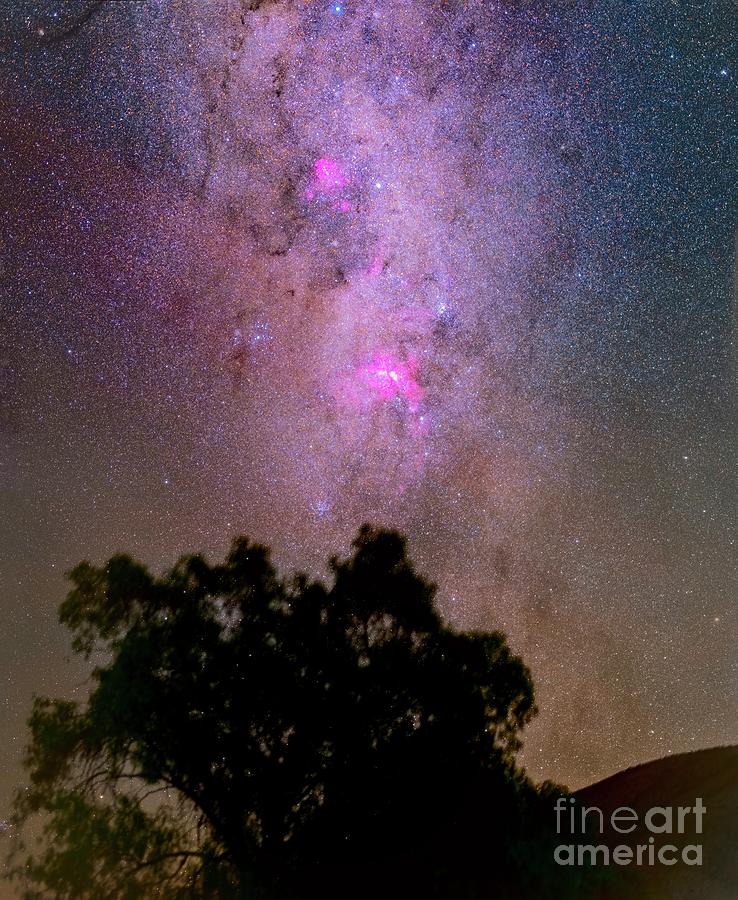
x=388, y=377
x=328, y=178
x=376, y=266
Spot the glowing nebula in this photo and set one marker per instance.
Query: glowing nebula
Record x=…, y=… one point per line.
x=376, y=266
x=328, y=180
x=389, y=378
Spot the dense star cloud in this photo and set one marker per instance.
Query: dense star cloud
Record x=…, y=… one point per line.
x=460, y=268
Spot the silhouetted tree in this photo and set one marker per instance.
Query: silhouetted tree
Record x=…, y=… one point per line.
x=248, y=735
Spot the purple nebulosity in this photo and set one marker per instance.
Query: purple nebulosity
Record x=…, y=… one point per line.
x=329, y=181
x=388, y=378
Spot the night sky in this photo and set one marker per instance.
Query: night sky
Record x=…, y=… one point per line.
x=465, y=269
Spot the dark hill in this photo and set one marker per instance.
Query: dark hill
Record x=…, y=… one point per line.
x=674, y=781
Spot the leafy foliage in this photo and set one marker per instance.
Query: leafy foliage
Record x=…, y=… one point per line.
x=249, y=735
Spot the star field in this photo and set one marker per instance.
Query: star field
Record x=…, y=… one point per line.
x=464, y=269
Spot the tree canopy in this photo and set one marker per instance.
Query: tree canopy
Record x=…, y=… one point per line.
x=253, y=735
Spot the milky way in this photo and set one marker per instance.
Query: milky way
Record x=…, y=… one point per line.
x=459, y=268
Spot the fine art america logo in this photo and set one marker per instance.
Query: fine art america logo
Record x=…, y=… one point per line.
x=662, y=824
